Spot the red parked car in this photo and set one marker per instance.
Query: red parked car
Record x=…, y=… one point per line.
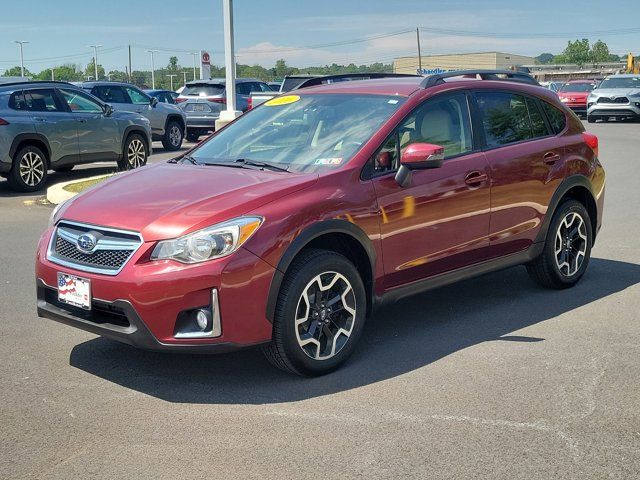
x=574, y=94
x=288, y=227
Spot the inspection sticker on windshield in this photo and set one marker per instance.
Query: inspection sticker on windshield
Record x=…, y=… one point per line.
x=282, y=100
x=329, y=161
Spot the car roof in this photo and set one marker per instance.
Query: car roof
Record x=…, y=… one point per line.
x=34, y=84
x=101, y=83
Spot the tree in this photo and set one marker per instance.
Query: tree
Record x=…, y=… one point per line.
x=16, y=72
x=599, y=52
x=173, y=64
x=90, y=71
x=544, y=58
x=578, y=52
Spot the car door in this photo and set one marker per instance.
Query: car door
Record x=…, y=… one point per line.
x=141, y=103
x=52, y=119
x=98, y=134
x=243, y=92
x=524, y=156
x=440, y=220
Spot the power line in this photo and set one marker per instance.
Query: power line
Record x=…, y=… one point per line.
x=563, y=34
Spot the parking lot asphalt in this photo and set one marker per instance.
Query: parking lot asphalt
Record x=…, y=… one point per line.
x=490, y=378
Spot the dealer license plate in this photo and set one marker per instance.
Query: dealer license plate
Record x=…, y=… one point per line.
x=74, y=290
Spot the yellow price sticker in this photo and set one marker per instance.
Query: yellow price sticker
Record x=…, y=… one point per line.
x=282, y=100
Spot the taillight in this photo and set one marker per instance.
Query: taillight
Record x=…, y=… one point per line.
x=3, y=122
x=249, y=103
x=216, y=100
x=180, y=100
x=592, y=141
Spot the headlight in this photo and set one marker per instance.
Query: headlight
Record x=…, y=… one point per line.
x=209, y=243
x=564, y=99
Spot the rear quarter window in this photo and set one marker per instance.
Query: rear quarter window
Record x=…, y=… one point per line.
x=17, y=101
x=557, y=118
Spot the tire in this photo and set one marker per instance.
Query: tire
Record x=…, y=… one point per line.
x=193, y=136
x=591, y=118
x=173, y=136
x=134, y=154
x=298, y=346
x=63, y=169
x=29, y=170
x=567, y=248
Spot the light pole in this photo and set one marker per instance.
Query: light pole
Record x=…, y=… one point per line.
x=171, y=79
x=21, y=43
x=194, y=54
x=184, y=77
x=95, y=59
x=153, y=69
x=230, y=114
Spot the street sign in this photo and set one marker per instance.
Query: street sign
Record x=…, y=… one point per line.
x=205, y=65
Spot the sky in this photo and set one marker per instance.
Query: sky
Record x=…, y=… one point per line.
x=304, y=33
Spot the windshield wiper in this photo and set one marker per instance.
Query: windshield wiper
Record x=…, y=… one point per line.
x=191, y=160
x=257, y=163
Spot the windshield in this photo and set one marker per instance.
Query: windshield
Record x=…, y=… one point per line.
x=301, y=133
x=578, y=87
x=620, y=82
x=203, y=90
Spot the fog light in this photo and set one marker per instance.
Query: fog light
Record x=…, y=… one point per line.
x=202, y=319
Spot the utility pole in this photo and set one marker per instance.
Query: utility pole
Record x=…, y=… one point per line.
x=129, y=74
x=195, y=54
x=95, y=59
x=21, y=43
x=53, y=79
x=419, y=53
x=171, y=79
x=153, y=69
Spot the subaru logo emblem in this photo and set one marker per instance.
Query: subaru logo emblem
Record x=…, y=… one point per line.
x=86, y=242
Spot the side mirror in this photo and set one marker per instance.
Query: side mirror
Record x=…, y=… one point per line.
x=108, y=109
x=154, y=102
x=418, y=156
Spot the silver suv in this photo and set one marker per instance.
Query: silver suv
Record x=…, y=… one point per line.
x=168, y=122
x=55, y=125
x=616, y=96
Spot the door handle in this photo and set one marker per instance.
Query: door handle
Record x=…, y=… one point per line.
x=39, y=119
x=550, y=158
x=475, y=177
x=81, y=120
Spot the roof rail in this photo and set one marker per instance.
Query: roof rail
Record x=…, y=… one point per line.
x=321, y=80
x=500, y=75
x=33, y=82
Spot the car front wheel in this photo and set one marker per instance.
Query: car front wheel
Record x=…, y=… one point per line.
x=173, y=134
x=320, y=314
x=193, y=135
x=135, y=153
x=567, y=248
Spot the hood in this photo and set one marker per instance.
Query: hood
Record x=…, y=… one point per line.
x=124, y=115
x=168, y=200
x=615, y=92
x=169, y=108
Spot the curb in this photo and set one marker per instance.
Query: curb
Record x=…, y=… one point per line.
x=57, y=194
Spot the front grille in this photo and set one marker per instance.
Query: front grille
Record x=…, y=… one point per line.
x=111, y=249
x=613, y=100
x=112, y=259
x=614, y=113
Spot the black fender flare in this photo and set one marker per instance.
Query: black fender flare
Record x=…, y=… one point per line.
x=566, y=185
x=22, y=137
x=177, y=118
x=302, y=240
x=135, y=129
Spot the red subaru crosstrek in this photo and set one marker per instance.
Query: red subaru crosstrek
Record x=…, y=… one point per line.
x=574, y=94
x=288, y=227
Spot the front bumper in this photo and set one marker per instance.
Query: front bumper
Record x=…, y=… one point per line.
x=614, y=110
x=141, y=304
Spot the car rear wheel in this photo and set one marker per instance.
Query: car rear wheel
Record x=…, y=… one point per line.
x=173, y=134
x=29, y=170
x=567, y=248
x=320, y=314
x=193, y=135
x=135, y=153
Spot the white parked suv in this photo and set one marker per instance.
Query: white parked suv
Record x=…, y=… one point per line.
x=617, y=96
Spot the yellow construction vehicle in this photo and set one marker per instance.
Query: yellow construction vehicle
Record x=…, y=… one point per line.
x=633, y=64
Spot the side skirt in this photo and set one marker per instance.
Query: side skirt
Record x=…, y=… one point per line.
x=465, y=273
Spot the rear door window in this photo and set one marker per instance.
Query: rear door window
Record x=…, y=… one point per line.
x=110, y=94
x=557, y=118
x=203, y=90
x=508, y=118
